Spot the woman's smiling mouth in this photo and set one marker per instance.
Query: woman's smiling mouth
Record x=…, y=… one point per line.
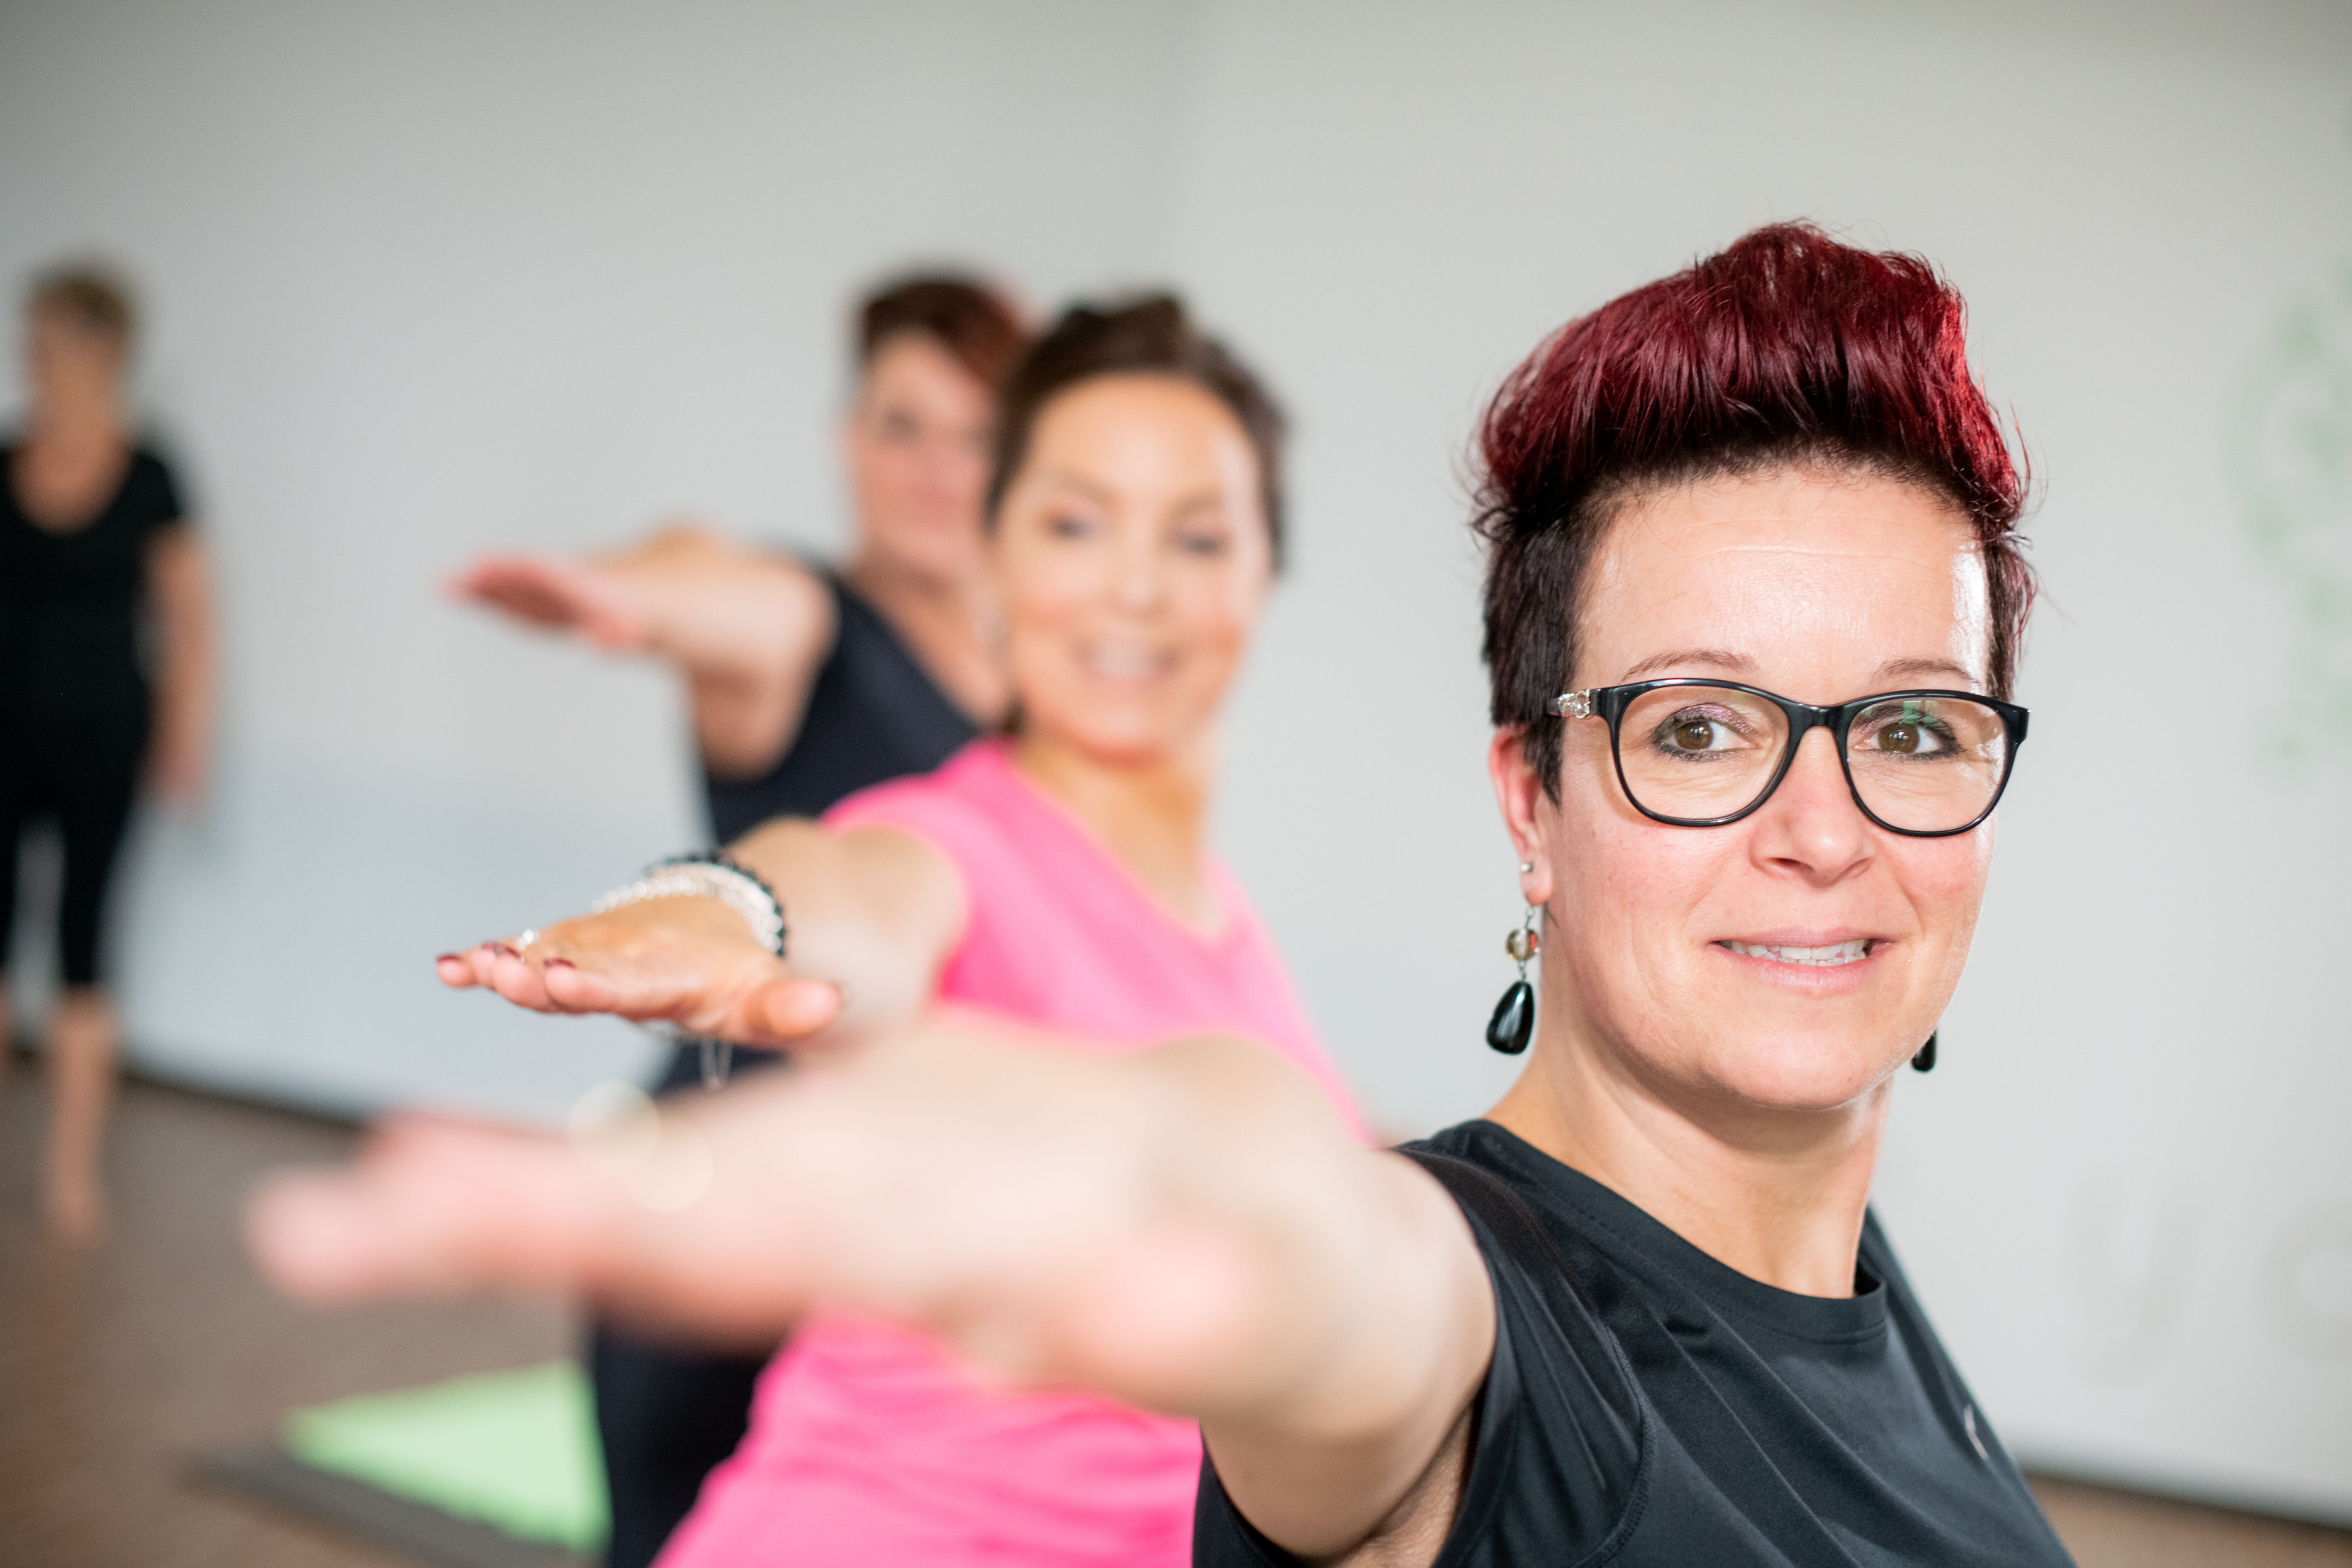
x=1827, y=957
x=1126, y=661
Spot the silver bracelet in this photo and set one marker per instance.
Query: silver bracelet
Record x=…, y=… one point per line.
x=714, y=876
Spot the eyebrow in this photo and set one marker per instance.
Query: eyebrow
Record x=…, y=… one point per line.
x=1724, y=658
x=1894, y=669
x=1072, y=479
x=1202, y=501
x=1721, y=658
x=1198, y=501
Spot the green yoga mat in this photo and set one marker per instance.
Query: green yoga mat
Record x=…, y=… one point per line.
x=516, y=1450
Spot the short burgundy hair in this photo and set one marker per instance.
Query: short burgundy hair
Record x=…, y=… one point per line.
x=967, y=316
x=1790, y=349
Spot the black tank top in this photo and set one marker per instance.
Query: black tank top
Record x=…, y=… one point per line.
x=874, y=714
x=69, y=602
x=1648, y=1407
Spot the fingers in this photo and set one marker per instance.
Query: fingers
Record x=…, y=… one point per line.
x=577, y=989
x=499, y=966
x=684, y=961
x=505, y=971
x=433, y=1209
x=552, y=593
x=557, y=983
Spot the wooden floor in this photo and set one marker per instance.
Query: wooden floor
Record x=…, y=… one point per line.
x=118, y=1365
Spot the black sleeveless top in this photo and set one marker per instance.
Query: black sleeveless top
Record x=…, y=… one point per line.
x=71, y=603
x=1650, y=1407
x=874, y=714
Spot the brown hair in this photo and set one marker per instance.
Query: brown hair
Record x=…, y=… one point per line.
x=974, y=321
x=94, y=297
x=1788, y=348
x=1146, y=336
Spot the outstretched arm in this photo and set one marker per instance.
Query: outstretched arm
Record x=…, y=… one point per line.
x=748, y=629
x=1190, y=1229
x=871, y=913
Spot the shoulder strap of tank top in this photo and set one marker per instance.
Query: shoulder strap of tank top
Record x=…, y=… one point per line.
x=1492, y=1199
x=1523, y=1237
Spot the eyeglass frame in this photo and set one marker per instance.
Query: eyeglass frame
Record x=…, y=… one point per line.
x=1610, y=702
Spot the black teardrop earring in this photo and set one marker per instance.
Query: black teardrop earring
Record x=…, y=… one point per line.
x=1514, y=1023
x=1924, y=1058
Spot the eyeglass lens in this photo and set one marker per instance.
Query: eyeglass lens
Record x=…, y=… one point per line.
x=1926, y=765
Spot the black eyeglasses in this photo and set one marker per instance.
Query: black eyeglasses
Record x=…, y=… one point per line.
x=1705, y=753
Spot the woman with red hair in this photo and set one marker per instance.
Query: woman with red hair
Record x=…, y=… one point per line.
x=1754, y=604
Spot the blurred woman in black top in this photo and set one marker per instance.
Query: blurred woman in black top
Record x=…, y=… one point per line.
x=94, y=538
x=807, y=683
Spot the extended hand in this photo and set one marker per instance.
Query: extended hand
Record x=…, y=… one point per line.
x=692, y=962
x=1018, y=1199
x=595, y=601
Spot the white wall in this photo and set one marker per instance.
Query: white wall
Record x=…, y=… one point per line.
x=432, y=279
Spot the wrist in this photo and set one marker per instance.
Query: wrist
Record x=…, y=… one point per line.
x=713, y=875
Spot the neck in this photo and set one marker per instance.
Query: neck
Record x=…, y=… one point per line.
x=883, y=580
x=1777, y=1194
x=946, y=621
x=1151, y=814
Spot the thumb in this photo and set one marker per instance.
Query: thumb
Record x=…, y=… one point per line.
x=792, y=1008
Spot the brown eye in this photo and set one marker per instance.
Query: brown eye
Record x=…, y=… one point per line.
x=1902, y=738
x=1694, y=734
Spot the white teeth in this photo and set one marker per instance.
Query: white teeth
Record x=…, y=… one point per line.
x=1837, y=953
x=1125, y=663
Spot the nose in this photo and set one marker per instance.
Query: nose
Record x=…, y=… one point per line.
x=1811, y=828
x=1138, y=565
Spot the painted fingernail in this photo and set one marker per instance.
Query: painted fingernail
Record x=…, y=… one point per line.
x=561, y=964
x=449, y=958
x=502, y=949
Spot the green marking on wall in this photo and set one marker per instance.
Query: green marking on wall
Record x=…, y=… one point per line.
x=2286, y=452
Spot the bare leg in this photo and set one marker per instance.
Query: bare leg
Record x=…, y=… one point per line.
x=83, y=1040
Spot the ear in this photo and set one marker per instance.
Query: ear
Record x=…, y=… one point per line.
x=1528, y=815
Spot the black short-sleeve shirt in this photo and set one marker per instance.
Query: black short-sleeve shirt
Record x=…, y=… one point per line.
x=1650, y=1407
x=70, y=602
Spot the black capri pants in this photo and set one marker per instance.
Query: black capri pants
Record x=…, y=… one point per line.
x=84, y=776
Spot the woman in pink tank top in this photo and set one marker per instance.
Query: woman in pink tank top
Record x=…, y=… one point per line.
x=1058, y=878
x=871, y=1445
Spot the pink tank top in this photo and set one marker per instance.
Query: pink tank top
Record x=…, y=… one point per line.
x=870, y=1447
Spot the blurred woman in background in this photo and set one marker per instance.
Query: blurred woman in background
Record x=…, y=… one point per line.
x=94, y=541
x=1061, y=878
x=805, y=683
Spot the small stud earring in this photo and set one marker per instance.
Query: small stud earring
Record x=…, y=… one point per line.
x=1514, y=1021
x=1526, y=867
x=1924, y=1058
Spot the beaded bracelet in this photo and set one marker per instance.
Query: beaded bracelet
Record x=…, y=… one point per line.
x=714, y=874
